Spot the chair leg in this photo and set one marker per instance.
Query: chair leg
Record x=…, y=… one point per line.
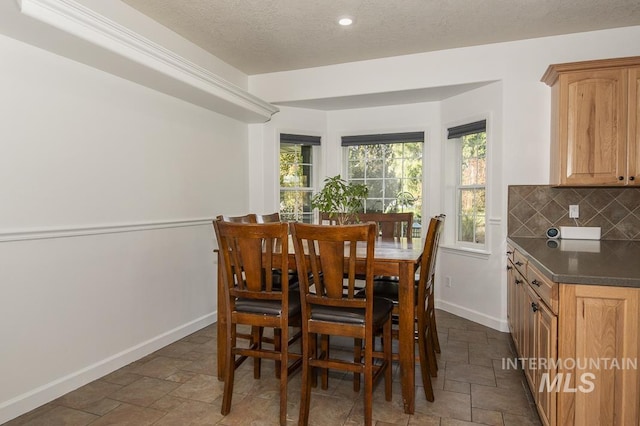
x=283, y=374
x=431, y=354
x=387, y=341
x=277, y=346
x=424, y=362
x=313, y=350
x=368, y=384
x=433, y=343
x=324, y=350
x=357, y=357
x=256, y=340
x=229, y=374
x=432, y=320
x=308, y=352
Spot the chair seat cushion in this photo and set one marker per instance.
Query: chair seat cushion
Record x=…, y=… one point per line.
x=387, y=289
x=269, y=307
x=381, y=309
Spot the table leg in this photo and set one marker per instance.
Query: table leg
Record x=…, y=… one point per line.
x=406, y=302
x=221, y=324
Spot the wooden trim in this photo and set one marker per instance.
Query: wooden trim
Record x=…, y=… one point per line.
x=554, y=70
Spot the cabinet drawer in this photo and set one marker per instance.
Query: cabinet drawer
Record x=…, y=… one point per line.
x=545, y=288
x=520, y=262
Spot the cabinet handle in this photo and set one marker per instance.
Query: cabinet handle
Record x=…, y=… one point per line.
x=518, y=281
x=620, y=177
x=632, y=178
x=509, y=252
x=509, y=267
x=536, y=282
x=534, y=307
x=519, y=263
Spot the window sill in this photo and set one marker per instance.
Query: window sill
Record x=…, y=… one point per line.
x=466, y=251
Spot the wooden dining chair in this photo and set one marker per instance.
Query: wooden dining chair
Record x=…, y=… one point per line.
x=327, y=218
x=323, y=255
x=268, y=218
x=432, y=303
x=248, y=250
x=247, y=218
x=425, y=308
x=255, y=331
x=277, y=276
x=390, y=225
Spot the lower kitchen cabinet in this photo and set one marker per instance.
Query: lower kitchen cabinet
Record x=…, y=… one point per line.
x=546, y=339
x=599, y=324
x=580, y=347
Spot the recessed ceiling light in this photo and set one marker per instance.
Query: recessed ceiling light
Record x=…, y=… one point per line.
x=345, y=21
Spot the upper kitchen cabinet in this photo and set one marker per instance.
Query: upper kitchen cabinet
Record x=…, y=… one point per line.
x=595, y=115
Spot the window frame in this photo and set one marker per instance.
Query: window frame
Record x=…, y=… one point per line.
x=391, y=138
x=303, y=140
x=452, y=152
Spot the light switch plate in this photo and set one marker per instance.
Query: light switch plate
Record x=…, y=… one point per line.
x=574, y=211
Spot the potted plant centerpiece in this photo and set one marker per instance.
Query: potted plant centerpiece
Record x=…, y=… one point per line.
x=341, y=200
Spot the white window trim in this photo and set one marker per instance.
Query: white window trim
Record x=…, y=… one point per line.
x=344, y=165
x=450, y=193
x=316, y=153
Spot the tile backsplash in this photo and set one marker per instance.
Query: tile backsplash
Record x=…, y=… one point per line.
x=534, y=208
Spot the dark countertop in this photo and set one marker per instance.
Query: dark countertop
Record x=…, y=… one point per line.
x=605, y=262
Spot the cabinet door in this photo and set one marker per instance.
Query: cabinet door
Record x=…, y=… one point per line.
x=511, y=297
x=546, y=352
x=634, y=126
x=530, y=329
x=592, y=134
x=519, y=309
x=598, y=325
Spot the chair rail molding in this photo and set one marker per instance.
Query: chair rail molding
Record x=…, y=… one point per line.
x=183, y=78
x=80, y=231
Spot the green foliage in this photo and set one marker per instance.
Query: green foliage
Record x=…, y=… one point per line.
x=339, y=198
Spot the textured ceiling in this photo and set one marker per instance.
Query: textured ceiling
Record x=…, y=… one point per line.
x=260, y=36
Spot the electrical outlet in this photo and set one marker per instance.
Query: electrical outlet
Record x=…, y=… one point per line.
x=574, y=211
x=448, y=282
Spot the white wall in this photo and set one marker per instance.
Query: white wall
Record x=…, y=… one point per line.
x=86, y=156
x=478, y=281
x=478, y=290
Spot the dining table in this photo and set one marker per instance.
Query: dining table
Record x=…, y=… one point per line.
x=393, y=257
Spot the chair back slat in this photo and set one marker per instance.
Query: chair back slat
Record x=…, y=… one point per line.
x=330, y=261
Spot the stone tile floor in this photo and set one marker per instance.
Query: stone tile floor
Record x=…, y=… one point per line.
x=177, y=385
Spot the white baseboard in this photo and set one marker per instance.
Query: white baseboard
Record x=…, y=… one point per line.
x=475, y=316
x=41, y=395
